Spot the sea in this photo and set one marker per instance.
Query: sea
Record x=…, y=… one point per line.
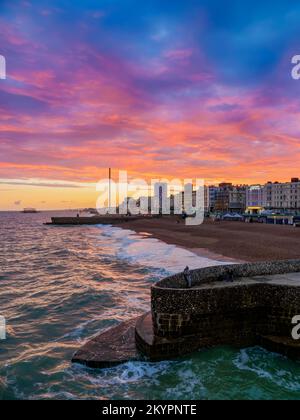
x=59, y=286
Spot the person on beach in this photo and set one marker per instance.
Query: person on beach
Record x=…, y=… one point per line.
x=188, y=277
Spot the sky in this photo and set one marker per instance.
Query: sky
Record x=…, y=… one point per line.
x=199, y=89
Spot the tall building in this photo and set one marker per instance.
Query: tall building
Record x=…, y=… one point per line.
x=282, y=196
x=222, y=198
x=203, y=198
x=212, y=197
x=226, y=198
x=160, y=200
x=255, y=196
x=267, y=195
x=237, y=199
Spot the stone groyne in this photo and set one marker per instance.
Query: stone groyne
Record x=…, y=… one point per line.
x=93, y=220
x=239, y=305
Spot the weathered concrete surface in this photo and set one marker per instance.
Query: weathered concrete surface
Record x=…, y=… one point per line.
x=225, y=273
x=158, y=348
x=238, y=305
x=114, y=346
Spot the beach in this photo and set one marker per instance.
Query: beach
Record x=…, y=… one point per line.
x=224, y=241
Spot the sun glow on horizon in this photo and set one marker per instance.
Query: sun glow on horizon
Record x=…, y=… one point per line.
x=171, y=90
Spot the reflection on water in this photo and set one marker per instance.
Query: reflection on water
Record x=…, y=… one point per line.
x=61, y=285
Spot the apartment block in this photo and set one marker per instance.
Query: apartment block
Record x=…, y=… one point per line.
x=255, y=196
x=282, y=196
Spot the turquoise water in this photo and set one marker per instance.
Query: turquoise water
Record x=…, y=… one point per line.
x=59, y=286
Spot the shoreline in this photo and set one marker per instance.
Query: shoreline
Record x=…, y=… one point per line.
x=205, y=253
x=200, y=252
x=232, y=242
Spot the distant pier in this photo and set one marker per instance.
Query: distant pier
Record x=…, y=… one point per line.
x=238, y=305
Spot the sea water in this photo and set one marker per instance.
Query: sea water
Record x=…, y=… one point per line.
x=61, y=285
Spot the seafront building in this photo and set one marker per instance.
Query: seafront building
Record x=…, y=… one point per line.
x=212, y=197
x=282, y=196
x=237, y=199
x=225, y=198
x=222, y=198
x=255, y=196
x=279, y=196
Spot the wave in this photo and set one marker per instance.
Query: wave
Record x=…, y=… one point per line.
x=153, y=253
x=257, y=361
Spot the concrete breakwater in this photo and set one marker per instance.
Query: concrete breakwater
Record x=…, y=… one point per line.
x=94, y=220
x=239, y=305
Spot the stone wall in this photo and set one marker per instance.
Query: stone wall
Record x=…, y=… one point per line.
x=233, y=314
x=223, y=272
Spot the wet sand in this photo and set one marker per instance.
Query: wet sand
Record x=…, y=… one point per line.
x=236, y=241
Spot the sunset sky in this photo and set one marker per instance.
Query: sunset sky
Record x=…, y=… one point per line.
x=164, y=88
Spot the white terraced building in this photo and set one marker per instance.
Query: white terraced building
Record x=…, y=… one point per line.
x=275, y=195
x=285, y=196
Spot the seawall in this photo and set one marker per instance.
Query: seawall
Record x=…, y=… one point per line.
x=238, y=305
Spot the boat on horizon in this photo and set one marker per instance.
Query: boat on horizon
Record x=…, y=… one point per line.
x=30, y=210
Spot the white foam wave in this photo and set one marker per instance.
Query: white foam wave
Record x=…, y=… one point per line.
x=151, y=252
x=126, y=373
x=257, y=361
